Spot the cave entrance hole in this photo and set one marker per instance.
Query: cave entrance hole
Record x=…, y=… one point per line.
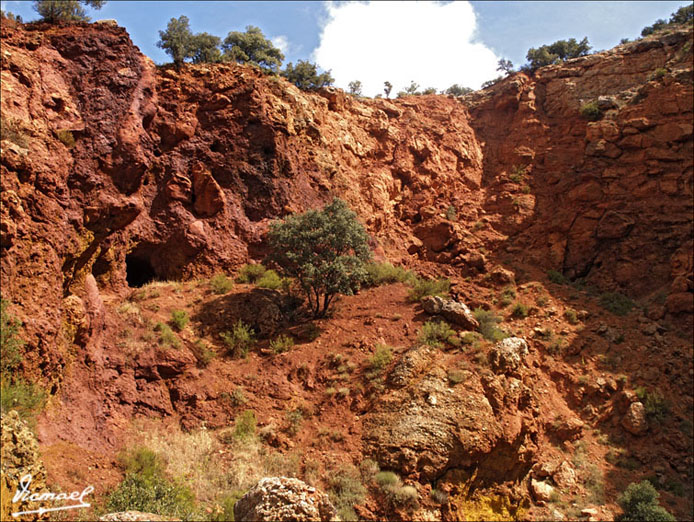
x=138, y=271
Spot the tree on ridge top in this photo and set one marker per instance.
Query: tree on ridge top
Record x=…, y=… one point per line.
x=53, y=11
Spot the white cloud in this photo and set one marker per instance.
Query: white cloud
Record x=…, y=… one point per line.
x=281, y=42
x=431, y=43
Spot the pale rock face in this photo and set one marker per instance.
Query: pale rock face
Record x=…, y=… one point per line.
x=284, y=499
x=542, y=491
x=508, y=354
x=635, y=421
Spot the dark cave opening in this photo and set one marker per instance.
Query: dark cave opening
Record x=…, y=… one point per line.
x=138, y=271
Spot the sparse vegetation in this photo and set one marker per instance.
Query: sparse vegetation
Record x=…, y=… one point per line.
x=616, y=303
x=179, y=319
x=425, y=287
x=221, y=284
x=519, y=311
x=657, y=407
x=282, y=343
x=386, y=273
x=270, y=280
x=508, y=294
x=451, y=213
x=202, y=353
x=66, y=137
x=590, y=111
x=435, y=333
x=345, y=490
x=166, y=335
x=11, y=129
x=456, y=376
x=239, y=340
x=245, y=425
x=571, y=316
x=380, y=359
x=556, y=277
x=251, y=273
x=488, y=325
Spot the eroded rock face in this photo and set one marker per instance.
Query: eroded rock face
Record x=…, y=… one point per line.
x=508, y=354
x=424, y=427
x=284, y=499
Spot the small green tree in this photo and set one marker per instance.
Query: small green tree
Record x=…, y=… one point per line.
x=505, y=66
x=252, y=47
x=387, y=87
x=204, y=48
x=412, y=89
x=640, y=504
x=54, y=11
x=559, y=51
x=305, y=75
x=177, y=40
x=355, y=88
x=324, y=250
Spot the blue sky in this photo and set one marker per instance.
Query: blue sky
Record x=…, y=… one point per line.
x=435, y=44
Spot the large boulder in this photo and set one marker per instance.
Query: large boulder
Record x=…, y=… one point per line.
x=453, y=311
x=635, y=421
x=283, y=499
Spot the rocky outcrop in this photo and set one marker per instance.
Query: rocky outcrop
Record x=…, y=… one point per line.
x=284, y=499
x=453, y=311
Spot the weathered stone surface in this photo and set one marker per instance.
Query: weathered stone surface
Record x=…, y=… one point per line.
x=508, y=354
x=284, y=499
x=453, y=311
x=542, y=491
x=635, y=421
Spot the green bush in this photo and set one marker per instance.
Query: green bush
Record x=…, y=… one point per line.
x=202, y=353
x=381, y=358
x=282, y=343
x=435, y=333
x=519, y=311
x=245, y=425
x=166, y=335
x=556, y=277
x=221, y=284
x=425, y=287
x=305, y=75
x=270, y=280
x=508, y=294
x=239, y=340
x=590, y=111
x=25, y=397
x=616, y=303
x=250, y=273
x=325, y=251
x=488, y=325
x=225, y=507
x=386, y=478
x=656, y=406
x=470, y=339
x=155, y=494
x=571, y=316
x=640, y=503
x=385, y=273
x=179, y=319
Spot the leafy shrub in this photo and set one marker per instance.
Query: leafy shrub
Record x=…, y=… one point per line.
x=179, y=319
x=25, y=397
x=224, y=509
x=425, y=287
x=657, y=407
x=519, y=311
x=640, y=502
x=658, y=73
x=282, y=343
x=435, y=333
x=221, y=284
x=66, y=137
x=488, y=321
x=381, y=358
x=245, y=425
x=270, y=279
x=471, y=339
x=305, y=75
x=325, y=251
x=12, y=130
x=556, y=277
x=590, y=111
x=166, y=335
x=250, y=273
x=616, y=303
x=385, y=273
x=239, y=340
x=202, y=353
x=146, y=488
